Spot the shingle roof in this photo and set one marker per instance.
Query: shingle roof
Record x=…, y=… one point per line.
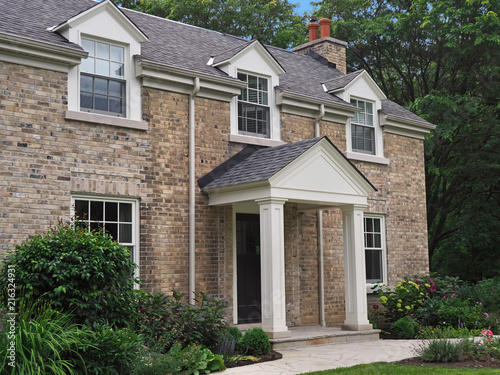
x=175, y=44
x=341, y=81
x=391, y=108
x=254, y=164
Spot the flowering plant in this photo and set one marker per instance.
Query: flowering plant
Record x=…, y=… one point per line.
x=401, y=301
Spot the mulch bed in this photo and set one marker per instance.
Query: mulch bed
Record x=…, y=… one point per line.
x=272, y=356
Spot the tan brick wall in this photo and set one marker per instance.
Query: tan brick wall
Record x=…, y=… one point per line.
x=45, y=158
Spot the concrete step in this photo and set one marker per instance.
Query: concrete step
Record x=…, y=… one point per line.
x=315, y=335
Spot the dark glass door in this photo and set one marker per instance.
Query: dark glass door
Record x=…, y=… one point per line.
x=248, y=268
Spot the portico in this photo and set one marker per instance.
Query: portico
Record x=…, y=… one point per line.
x=314, y=175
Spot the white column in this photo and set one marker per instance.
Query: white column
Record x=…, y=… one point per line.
x=272, y=260
x=355, y=269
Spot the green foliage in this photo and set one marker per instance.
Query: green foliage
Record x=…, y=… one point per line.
x=193, y=359
x=227, y=343
x=403, y=300
x=486, y=292
x=446, y=332
x=46, y=342
x=165, y=320
x=75, y=270
x=442, y=59
x=255, y=341
x=441, y=351
x=272, y=22
x=405, y=328
x=113, y=351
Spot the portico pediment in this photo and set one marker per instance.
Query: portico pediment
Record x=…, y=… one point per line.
x=312, y=172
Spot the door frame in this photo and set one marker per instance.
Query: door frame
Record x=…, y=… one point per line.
x=239, y=208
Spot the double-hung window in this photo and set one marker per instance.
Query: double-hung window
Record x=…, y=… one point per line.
x=102, y=78
x=253, y=106
x=362, y=128
x=117, y=217
x=374, y=249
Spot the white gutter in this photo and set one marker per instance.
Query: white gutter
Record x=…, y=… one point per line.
x=321, y=273
x=192, y=253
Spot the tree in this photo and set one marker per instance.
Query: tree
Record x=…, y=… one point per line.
x=272, y=22
x=442, y=59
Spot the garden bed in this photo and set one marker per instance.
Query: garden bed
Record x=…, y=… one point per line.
x=272, y=356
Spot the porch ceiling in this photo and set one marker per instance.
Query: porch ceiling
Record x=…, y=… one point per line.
x=312, y=173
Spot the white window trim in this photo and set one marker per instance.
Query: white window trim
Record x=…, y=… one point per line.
x=132, y=118
x=378, y=157
x=135, y=221
x=274, y=116
x=369, y=286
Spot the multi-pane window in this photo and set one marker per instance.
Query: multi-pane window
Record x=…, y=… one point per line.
x=253, y=106
x=115, y=217
x=362, y=129
x=374, y=249
x=102, y=78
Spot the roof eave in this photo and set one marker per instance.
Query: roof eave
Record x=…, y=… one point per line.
x=45, y=50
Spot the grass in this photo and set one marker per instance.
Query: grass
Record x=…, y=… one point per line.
x=394, y=369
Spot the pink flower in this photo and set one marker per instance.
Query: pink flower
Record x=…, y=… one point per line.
x=143, y=308
x=487, y=316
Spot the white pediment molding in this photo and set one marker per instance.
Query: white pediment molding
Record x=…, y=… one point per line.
x=113, y=11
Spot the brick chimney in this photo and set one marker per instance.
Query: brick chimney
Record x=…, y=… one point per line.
x=332, y=49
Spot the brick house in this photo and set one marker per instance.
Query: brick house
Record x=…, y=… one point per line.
x=267, y=177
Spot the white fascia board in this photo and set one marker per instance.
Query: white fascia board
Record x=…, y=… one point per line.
x=113, y=11
x=180, y=80
x=236, y=194
x=40, y=50
x=369, y=80
x=262, y=51
x=405, y=127
x=303, y=105
x=319, y=199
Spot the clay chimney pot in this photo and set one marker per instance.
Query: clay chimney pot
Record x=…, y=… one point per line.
x=325, y=27
x=313, y=31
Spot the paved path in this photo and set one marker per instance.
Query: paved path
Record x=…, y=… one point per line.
x=329, y=356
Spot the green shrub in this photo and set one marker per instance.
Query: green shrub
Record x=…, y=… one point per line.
x=46, y=342
x=442, y=351
x=446, y=333
x=402, y=301
x=405, y=328
x=113, y=351
x=256, y=342
x=193, y=359
x=76, y=270
x=485, y=292
x=167, y=320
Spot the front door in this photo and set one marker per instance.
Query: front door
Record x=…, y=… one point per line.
x=248, y=268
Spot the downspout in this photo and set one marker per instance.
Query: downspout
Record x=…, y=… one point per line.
x=321, y=273
x=192, y=181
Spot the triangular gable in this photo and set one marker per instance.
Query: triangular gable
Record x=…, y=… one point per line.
x=313, y=173
x=232, y=56
x=112, y=10
x=349, y=83
x=324, y=169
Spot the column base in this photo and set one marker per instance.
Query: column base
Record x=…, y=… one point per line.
x=356, y=327
x=279, y=334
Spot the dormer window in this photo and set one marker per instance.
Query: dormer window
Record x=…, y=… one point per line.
x=102, y=78
x=362, y=129
x=253, y=106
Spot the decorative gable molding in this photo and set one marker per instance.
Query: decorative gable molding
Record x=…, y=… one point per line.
x=232, y=58
x=113, y=10
x=362, y=76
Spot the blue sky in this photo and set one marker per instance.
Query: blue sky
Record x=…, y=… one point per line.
x=303, y=6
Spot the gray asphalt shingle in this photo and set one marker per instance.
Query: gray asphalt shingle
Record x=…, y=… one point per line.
x=179, y=45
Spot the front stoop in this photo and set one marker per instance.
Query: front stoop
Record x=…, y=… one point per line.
x=315, y=335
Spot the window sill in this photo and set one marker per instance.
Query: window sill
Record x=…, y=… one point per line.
x=237, y=138
x=106, y=120
x=368, y=158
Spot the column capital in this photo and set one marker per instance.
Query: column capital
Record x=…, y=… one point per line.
x=271, y=200
x=354, y=207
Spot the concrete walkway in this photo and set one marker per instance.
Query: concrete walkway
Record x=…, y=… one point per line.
x=329, y=356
